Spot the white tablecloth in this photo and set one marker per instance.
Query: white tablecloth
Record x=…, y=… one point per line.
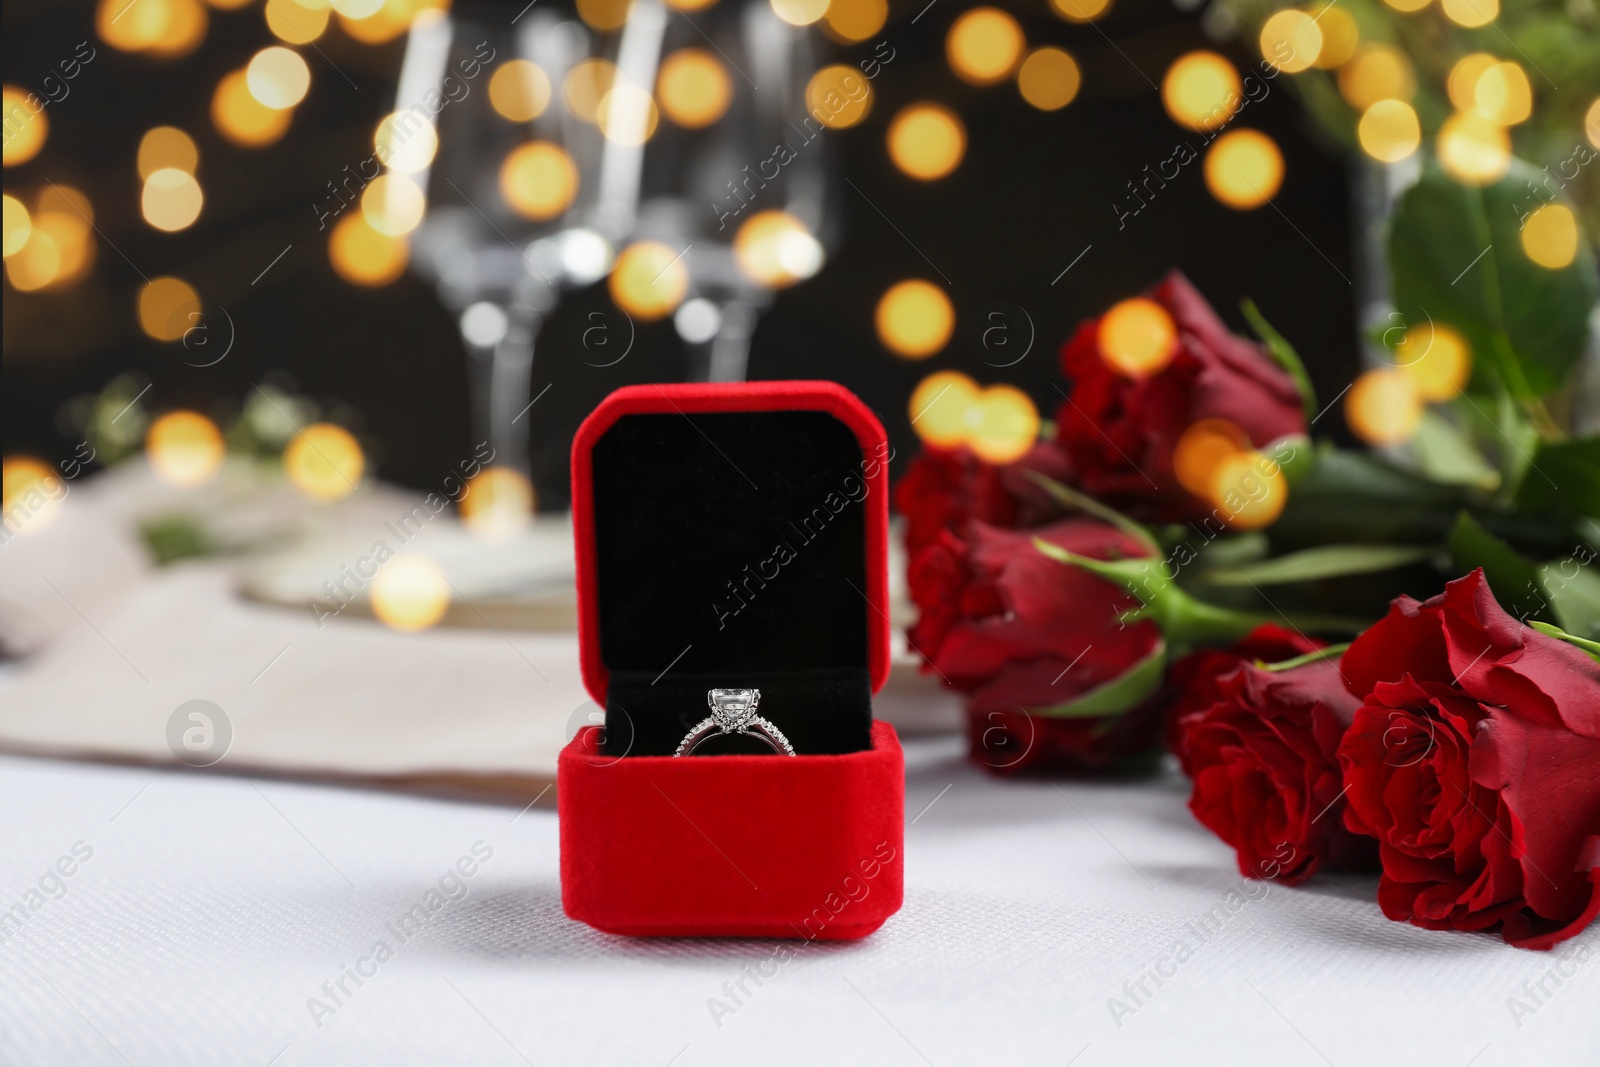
x=204, y=911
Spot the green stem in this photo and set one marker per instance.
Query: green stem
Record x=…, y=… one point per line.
x=1317, y=656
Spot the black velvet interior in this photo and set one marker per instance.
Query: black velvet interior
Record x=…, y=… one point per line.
x=731, y=553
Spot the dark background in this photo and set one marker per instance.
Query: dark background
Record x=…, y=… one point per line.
x=1034, y=190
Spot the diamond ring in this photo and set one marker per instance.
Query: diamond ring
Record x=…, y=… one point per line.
x=733, y=711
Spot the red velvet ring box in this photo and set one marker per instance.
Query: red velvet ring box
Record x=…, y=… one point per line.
x=732, y=536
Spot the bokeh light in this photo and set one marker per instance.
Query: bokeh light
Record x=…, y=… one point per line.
x=1204, y=445
x=585, y=85
x=538, y=180
x=1438, y=361
x=1201, y=90
x=927, y=141
x=852, y=21
x=1470, y=13
x=1502, y=94
x=18, y=225
x=693, y=88
x=410, y=593
x=1137, y=337
x=838, y=96
x=243, y=119
x=31, y=493
x=1389, y=131
x=1591, y=123
x=1472, y=149
x=1462, y=82
x=26, y=127
x=984, y=45
x=278, y=77
x=406, y=142
x=1550, y=236
x=1244, y=169
x=800, y=12
x=627, y=115
x=519, y=90
x=296, y=22
x=363, y=256
x=165, y=28
x=605, y=15
x=1340, y=35
x=393, y=204
x=774, y=249
x=914, y=318
x=168, y=307
x=1049, y=78
x=938, y=407
x=184, y=448
x=1080, y=10
x=1004, y=424
x=1383, y=407
x=498, y=502
x=649, y=280
x=167, y=146
x=171, y=200
x=69, y=232
x=1249, y=489
x=324, y=462
x=1408, y=6
x=1376, y=72
x=357, y=10
x=1290, y=40
x=389, y=21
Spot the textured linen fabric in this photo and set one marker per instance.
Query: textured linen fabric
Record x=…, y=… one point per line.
x=213, y=906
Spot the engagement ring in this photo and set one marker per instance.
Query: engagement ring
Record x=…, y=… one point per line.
x=733, y=711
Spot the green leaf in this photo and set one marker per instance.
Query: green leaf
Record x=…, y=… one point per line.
x=1284, y=355
x=1455, y=256
x=1326, y=561
x=1075, y=501
x=1512, y=576
x=1574, y=594
x=1563, y=479
x=1118, y=695
x=1591, y=647
x=1446, y=455
x=1327, y=652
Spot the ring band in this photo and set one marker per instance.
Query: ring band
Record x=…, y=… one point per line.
x=733, y=711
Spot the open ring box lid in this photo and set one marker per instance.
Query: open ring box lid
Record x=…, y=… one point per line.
x=732, y=536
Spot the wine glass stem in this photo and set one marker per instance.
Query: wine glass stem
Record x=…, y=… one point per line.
x=726, y=357
x=500, y=377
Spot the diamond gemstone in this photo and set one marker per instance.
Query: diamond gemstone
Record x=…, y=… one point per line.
x=734, y=708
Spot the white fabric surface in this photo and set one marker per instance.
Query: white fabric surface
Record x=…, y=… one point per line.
x=213, y=907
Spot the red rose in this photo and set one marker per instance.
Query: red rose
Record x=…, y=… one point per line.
x=1266, y=774
x=946, y=488
x=1475, y=761
x=1197, y=677
x=1014, y=630
x=1121, y=431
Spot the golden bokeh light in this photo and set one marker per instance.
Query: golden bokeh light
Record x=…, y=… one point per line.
x=627, y=115
x=1470, y=13
x=853, y=21
x=294, y=22
x=939, y=405
x=800, y=12
x=605, y=15
x=498, y=502
x=1438, y=361
x=26, y=127
x=1550, y=236
x=171, y=200
x=1340, y=35
x=585, y=85
x=18, y=225
x=1201, y=90
x=1003, y=424
x=538, y=180
x=519, y=90
x=927, y=141
x=1462, y=82
x=243, y=119
x=838, y=96
x=1591, y=123
x=390, y=20
x=774, y=249
x=72, y=236
x=1204, y=445
x=229, y=5
x=649, y=280
x=1389, y=131
x=168, y=308
x=1049, y=78
x=363, y=256
x=357, y=10
x=1502, y=94
x=1408, y=6
x=37, y=264
x=984, y=45
x=1080, y=10
x=1290, y=40
x=1137, y=337
x=406, y=142
x=690, y=5
x=324, y=462
x=1249, y=489
x=165, y=28
x=184, y=30
x=278, y=77
x=1244, y=169
x=693, y=88
x=1376, y=72
x=1472, y=149
x=914, y=319
x=31, y=493
x=167, y=146
x=410, y=593
x=1383, y=407
x=393, y=204
x=184, y=448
